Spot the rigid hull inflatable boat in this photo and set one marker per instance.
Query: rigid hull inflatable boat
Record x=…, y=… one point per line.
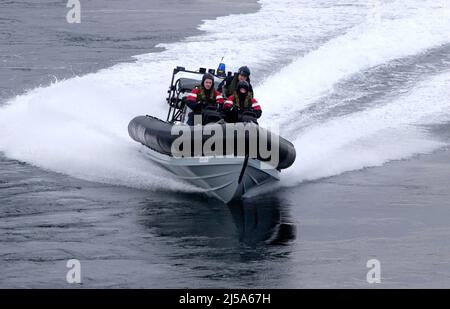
x=226, y=172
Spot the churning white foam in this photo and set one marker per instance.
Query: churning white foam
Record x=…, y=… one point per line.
x=372, y=137
x=79, y=126
x=415, y=27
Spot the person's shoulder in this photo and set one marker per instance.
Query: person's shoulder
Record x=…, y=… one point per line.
x=229, y=79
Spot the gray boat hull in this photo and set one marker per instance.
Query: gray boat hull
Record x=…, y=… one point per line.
x=225, y=178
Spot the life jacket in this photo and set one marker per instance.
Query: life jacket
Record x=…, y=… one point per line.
x=202, y=97
x=247, y=104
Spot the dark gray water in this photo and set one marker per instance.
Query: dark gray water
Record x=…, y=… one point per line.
x=317, y=233
x=39, y=46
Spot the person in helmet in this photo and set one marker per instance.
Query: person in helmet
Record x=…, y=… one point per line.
x=202, y=97
x=241, y=101
x=231, y=82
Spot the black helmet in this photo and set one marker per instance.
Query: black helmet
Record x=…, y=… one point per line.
x=242, y=84
x=245, y=71
x=207, y=76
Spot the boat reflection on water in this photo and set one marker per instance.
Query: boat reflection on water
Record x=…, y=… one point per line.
x=262, y=220
x=189, y=227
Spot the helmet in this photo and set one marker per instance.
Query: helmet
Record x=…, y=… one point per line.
x=245, y=71
x=207, y=76
x=242, y=84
